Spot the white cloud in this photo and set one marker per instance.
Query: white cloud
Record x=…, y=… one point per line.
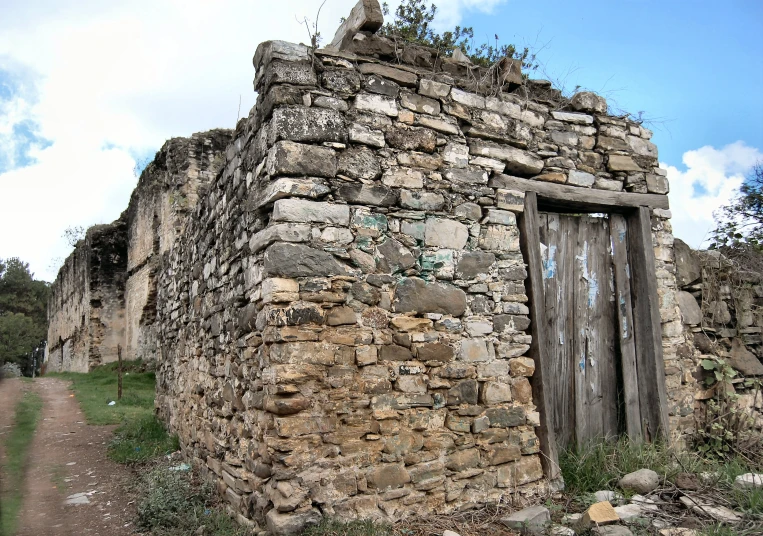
x=108, y=80
x=711, y=179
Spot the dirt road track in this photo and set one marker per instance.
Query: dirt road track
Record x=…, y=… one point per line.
x=68, y=457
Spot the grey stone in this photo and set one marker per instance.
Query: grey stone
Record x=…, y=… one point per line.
x=301, y=211
x=688, y=268
x=297, y=123
x=290, y=158
x=467, y=99
x=400, y=177
x=743, y=360
x=267, y=51
x=641, y=481
x=691, y=313
x=417, y=103
x=749, y=481
x=359, y=163
x=575, y=118
x=618, y=162
x=378, y=104
x=343, y=81
x=292, y=523
x=284, y=187
x=365, y=194
x=465, y=392
x=612, y=530
x=587, y=101
x=657, y=184
x=381, y=86
x=404, y=78
x=282, y=232
x=280, y=72
x=466, y=176
x=416, y=295
x=446, y=233
x=473, y=263
x=506, y=417
x=297, y=260
x=411, y=139
x=531, y=520
x=418, y=200
x=323, y=101
x=517, y=160
x=580, y=178
x=365, y=135
x=436, y=90
x=392, y=256
x=469, y=211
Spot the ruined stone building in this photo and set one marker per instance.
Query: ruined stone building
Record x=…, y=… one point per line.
x=399, y=286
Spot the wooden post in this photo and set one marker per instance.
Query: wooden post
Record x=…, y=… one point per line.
x=529, y=241
x=119, y=372
x=647, y=327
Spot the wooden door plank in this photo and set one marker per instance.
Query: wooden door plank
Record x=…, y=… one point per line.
x=560, y=196
x=529, y=241
x=624, y=307
x=608, y=383
x=647, y=327
x=565, y=335
x=579, y=314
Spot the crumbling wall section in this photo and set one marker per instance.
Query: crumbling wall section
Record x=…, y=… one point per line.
x=343, y=322
x=86, y=306
x=167, y=191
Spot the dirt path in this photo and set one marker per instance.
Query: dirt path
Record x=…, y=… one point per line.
x=68, y=458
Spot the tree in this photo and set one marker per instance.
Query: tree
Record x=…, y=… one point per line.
x=739, y=224
x=412, y=24
x=23, y=310
x=74, y=234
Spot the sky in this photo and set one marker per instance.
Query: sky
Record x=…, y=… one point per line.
x=89, y=89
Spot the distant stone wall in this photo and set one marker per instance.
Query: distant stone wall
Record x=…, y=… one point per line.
x=105, y=294
x=166, y=192
x=86, y=305
x=343, y=323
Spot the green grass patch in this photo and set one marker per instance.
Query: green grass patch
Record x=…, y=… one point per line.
x=140, y=440
x=333, y=527
x=175, y=503
x=16, y=446
x=95, y=389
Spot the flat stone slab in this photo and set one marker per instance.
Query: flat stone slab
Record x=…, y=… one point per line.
x=749, y=481
x=532, y=519
x=77, y=498
x=719, y=513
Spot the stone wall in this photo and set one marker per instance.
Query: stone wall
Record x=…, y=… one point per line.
x=86, y=305
x=721, y=305
x=105, y=294
x=343, y=322
x=167, y=190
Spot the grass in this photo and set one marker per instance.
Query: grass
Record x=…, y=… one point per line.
x=98, y=387
x=140, y=436
x=333, y=527
x=175, y=503
x=140, y=440
x=17, y=445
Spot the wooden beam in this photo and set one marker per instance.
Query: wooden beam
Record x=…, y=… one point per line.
x=563, y=197
x=529, y=241
x=366, y=16
x=647, y=327
x=618, y=232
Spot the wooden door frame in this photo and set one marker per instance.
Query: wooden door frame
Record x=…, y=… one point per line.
x=647, y=327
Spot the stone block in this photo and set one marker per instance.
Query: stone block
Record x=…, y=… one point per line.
x=445, y=233
x=359, y=163
x=421, y=200
x=378, y=104
x=587, y=101
x=289, y=158
x=287, y=187
x=411, y=139
x=403, y=178
x=517, y=160
x=618, y=162
x=404, y=78
x=282, y=232
x=691, y=313
x=365, y=135
x=575, y=118
x=431, y=88
x=297, y=260
x=494, y=392
x=301, y=211
x=366, y=194
x=417, y=103
x=467, y=99
x=580, y=178
x=532, y=520
x=314, y=125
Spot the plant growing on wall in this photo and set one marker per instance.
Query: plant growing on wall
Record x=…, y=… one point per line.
x=412, y=23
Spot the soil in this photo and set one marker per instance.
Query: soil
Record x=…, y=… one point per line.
x=68, y=457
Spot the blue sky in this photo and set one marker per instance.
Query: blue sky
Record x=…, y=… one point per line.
x=89, y=88
x=696, y=65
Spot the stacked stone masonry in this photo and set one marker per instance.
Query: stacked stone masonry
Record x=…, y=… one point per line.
x=86, y=305
x=344, y=322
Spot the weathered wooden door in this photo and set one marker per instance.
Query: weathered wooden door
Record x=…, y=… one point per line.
x=588, y=314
